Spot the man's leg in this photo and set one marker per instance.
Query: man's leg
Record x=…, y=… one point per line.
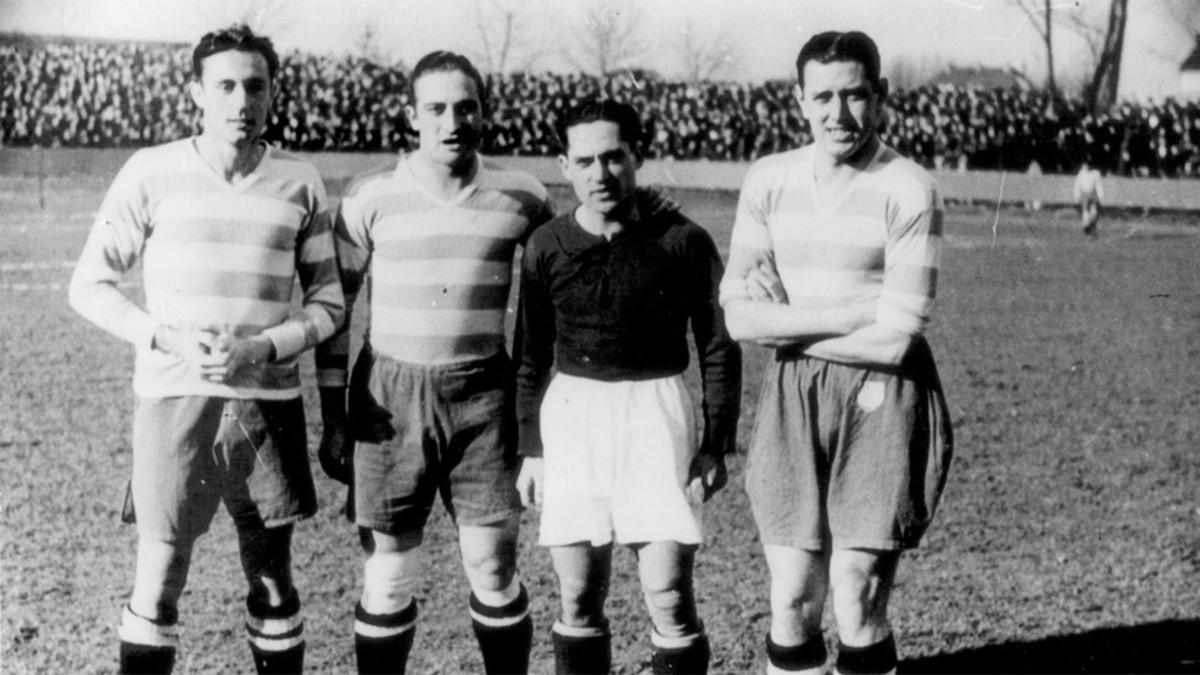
x=149, y=638
x=386, y=616
x=862, y=584
x=665, y=569
x=582, y=643
x=273, y=623
x=499, y=602
x=799, y=584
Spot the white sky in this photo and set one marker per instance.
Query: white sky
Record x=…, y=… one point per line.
x=767, y=33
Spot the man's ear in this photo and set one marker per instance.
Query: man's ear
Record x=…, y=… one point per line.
x=196, y=90
x=410, y=113
x=799, y=94
x=563, y=163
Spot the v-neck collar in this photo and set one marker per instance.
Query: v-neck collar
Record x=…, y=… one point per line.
x=237, y=185
x=404, y=171
x=840, y=197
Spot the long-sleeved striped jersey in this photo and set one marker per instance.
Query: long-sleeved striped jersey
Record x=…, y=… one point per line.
x=880, y=241
x=440, y=270
x=215, y=256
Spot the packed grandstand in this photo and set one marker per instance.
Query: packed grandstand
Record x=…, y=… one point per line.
x=97, y=94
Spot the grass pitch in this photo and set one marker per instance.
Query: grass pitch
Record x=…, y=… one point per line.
x=1068, y=539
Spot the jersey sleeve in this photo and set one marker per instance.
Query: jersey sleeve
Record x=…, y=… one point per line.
x=533, y=345
x=352, y=243
x=316, y=265
x=912, y=256
x=114, y=245
x=750, y=242
x=719, y=356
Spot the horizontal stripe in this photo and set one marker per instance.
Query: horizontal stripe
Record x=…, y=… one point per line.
x=458, y=223
x=214, y=310
x=247, y=207
x=373, y=631
x=222, y=283
x=441, y=297
x=30, y=266
x=579, y=631
x=139, y=630
x=438, y=349
x=828, y=255
x=196, y=230
x=497, y=621
x=822, y=281
x=835, y=228
x=430, y=248
x=443, y=271
x=54, y=286
x=678, y=642
x=280, y=644
x=221, y=256
x=274, y=628
x=387, y=320
x=910, y=279
x=154, y=385
x=318, y=249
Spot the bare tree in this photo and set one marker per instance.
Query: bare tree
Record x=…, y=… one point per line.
x=1101, y=91
x=272, y=18
x=706, y=54
x=368, y=45
x=506, y=39
x=1041, y=14
x=607, y=37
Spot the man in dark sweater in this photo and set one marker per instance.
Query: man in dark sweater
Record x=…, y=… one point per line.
x=610, y=444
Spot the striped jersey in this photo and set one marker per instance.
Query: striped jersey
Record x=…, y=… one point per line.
x=440, y=270
x=879, y=241
x=215, y=256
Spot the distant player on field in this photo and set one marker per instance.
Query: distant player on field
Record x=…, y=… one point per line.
x=1088, y=193
x=222, y=224
x=833, y=261
x=609, y=444
x=430, y=400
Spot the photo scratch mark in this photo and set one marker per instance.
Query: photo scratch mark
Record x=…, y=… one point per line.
x=1025, y=19
x=999, y=201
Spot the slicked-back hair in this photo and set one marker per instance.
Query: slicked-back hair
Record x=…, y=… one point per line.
x=603, y=110
x=442, y=61
x=237, y=37
x=835, y=45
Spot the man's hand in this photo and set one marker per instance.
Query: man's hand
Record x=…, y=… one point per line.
x=706, y=477
x=530, y=481
x=764, y=284
x=195, y=347
x=231, y=354
x=336, y=450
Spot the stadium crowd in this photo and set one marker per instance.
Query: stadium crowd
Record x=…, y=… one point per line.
x=117, y=94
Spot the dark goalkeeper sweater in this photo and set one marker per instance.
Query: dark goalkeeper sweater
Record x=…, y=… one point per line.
x=619, y=310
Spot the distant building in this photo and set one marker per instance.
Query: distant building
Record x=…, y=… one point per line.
x=1189, y=74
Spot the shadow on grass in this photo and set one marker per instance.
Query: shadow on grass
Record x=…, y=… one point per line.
x=1166, y=647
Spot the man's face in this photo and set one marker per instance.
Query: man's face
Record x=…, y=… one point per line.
x=447, y=114
x=234, y=93
x=841, y=106
x=601, y=167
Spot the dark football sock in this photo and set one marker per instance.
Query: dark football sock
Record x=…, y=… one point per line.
x=504, y=633
x=582, y=650
x=382, y=641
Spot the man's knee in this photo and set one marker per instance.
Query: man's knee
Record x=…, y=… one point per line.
x=489, y=556
x=390, y=580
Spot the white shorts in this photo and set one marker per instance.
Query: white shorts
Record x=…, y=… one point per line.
x=616, y=462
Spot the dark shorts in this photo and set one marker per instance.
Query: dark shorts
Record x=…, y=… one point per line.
x=424, y=430
x=848, y=457
x=190, y=453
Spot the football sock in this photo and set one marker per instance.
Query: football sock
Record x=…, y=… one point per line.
x=686, y=654
x=147, y=645
x=505, y=633
x=382, y=641
x=806, y=657
x=581, y=650
x=276, y=635
x=877, y=658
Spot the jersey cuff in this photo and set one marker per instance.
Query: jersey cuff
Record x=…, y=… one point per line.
x=289, y=339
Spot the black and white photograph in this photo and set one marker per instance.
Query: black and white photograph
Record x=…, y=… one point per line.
x=822, y=337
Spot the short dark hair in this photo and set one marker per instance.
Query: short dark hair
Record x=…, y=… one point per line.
x=237, y=37
x=590, y=110
x=444, y=61
x=835, y=45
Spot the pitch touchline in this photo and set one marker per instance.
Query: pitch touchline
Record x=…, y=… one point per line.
x=58, y=286
x=27, y=266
